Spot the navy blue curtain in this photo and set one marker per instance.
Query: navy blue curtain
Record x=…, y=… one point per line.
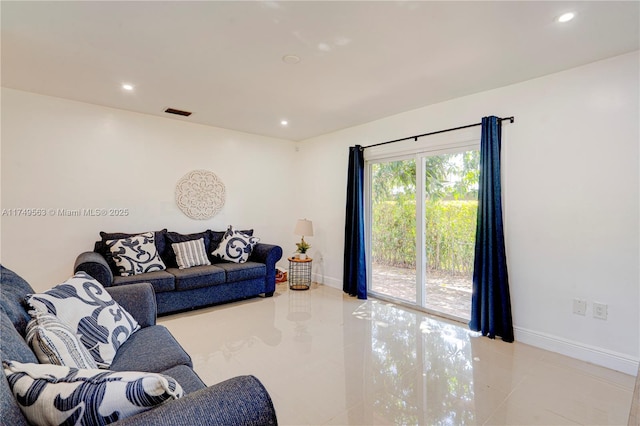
x=490, y=301
x=354, y=280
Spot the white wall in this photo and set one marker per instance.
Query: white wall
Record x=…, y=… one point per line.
x=60, y=154
x=571, y=200
x=570, y=186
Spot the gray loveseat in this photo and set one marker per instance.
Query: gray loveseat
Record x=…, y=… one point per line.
x=184, y=289
x=242, y=400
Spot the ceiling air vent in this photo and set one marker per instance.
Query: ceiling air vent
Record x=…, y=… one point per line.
x=177, y=112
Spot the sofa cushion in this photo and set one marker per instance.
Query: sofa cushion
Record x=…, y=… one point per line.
x=54, y=342
x=160, y=280
x=175, y=237
x=243, y=271
x=140, y=352
x=197, y=277
x=82, y=303
x=101, y=246
x=54, y=394
x=12, y=291
x=136, y=255
x=12, y=344
x=191, y=253
x=235, y=246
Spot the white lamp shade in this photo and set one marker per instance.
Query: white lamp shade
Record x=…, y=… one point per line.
x=304, y=228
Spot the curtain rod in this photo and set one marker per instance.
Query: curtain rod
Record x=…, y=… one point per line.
x=511, y=120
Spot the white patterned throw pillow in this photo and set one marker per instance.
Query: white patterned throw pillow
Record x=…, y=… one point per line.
x=54, y=342
x=85, y=306
x=235, y=246
x=55, y=395
x=136, y=255
x=190, y=253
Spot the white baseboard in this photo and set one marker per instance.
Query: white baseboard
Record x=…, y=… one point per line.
x=605, y=358
x=331, y=282
x=602, y=357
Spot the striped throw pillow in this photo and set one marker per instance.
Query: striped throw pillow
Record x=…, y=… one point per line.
x=190, y=253
x=54, y=342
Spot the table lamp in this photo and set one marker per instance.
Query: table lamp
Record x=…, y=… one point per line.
x=303, y=228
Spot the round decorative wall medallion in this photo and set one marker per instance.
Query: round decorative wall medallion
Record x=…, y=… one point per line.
x=200, y=194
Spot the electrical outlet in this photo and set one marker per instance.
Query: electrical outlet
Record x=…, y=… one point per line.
x=579, y=307
x=600, y=310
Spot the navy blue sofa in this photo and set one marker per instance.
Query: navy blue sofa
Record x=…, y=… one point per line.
x=242, y=400
x=185, y=289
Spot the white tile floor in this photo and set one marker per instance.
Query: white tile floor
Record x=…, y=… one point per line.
x=330, y=359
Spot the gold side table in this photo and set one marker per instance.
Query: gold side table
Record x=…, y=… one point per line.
x=300, y=273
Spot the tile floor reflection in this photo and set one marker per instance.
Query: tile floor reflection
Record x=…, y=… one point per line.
x=330, y=359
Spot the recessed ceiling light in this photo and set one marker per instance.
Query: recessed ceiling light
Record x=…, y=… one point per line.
x=566, y=17
x=127, y=86
x=291, y=59
x=284, y=123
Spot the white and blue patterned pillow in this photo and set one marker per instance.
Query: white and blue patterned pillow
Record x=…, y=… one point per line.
x=84, y=305
x=136, y=254
x=190, y=253
x=54, y=342
x=235, y=246
x=55, y=395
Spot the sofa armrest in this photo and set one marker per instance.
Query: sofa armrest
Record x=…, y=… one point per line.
x=242, y=400
x=95, y=265
x=139, y=300
x=268, y=254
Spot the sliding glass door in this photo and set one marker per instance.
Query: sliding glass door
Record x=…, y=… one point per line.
x=422, y=230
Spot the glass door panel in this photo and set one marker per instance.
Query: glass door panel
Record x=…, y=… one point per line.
x=451, y=204
x=393, y=229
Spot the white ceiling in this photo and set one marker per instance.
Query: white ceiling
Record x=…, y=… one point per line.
x=360, y=61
